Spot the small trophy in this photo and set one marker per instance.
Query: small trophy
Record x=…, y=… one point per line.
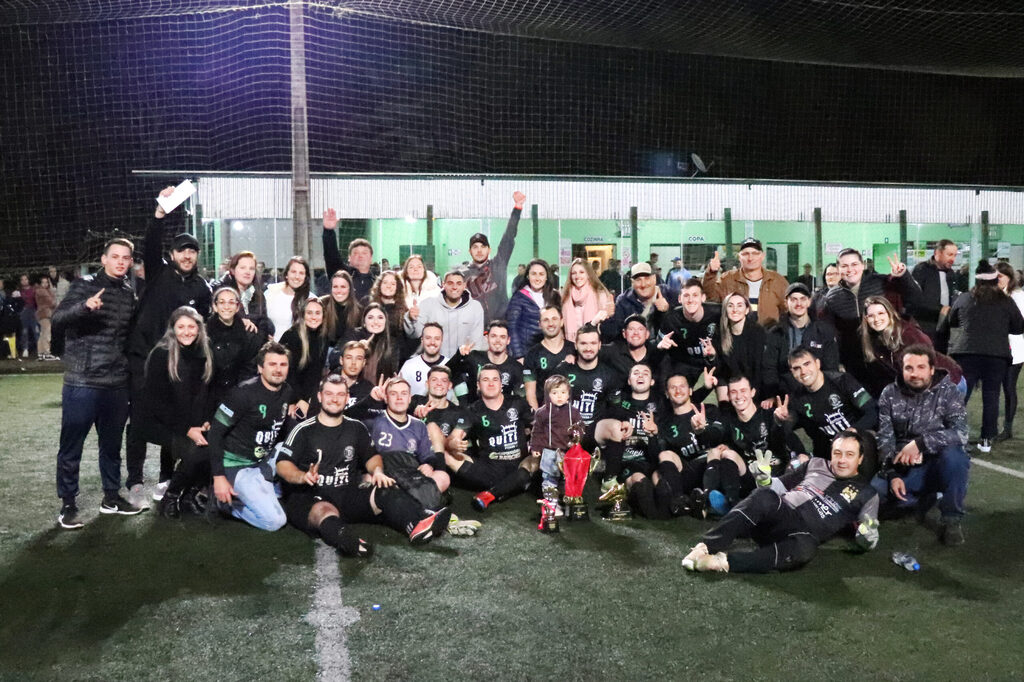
x=618, y=508
x=576, y=465
x=548, y=513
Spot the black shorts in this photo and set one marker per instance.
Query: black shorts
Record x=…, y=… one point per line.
x=481, y=474
x=637, y=466
x=352, y=503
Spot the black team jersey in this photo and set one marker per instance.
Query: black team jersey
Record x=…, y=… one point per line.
x=688, y=352
x=465, y=369
x=342, y=452
x=675, y=432
x=841, y=403
x=446, y=417
x=357, y=391
x=539, y=363
x=760, y=432
x=245, y=427
x=497, y=434
x=593, y=390
x=640, y=446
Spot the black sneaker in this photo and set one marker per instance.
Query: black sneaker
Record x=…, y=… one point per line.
x=118, y=505
x=951, y=533
x=170, y=506
x=68, y=517
x=193, y=501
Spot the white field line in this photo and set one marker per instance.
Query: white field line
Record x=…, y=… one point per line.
x=330, y=617
x=996, y=467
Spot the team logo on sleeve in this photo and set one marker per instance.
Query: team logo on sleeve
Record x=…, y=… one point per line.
x=835, y=401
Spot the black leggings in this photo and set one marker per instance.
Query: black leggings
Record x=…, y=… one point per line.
x=193, y=470
x=1010, y=394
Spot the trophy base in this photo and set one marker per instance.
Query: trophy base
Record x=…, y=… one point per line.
x=548, y=526
x=577, y=512
x=619, y=511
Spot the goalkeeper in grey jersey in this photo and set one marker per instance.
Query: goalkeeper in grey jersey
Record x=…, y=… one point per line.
x=788, y=517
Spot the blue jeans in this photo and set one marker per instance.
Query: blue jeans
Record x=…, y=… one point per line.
x=81, y=409
x=944, y=473
x=550, y=474
x=257, y=502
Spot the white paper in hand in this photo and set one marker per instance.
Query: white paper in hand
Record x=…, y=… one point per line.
x=180, y=193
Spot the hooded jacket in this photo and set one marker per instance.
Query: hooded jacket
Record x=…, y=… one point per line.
x=461, y=323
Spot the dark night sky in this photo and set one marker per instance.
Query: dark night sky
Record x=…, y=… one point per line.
x=85, y=103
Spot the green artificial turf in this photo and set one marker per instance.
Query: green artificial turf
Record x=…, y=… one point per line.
x=143, y=598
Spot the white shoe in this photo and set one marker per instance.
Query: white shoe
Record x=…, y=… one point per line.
x=699, y=551
x=137, y=496
x=984, y=445
x=159, y=490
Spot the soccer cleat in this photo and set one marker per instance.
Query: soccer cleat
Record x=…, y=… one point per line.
x=718, y=503
x=690, y=560
x=985, y=445
x=698, y=503
x=68, y=517
x=159, y=490
x=951, y=533
x=717, y=563
x=137, y=496
x=482, y=500
x=118, y=505
x=170, y=506
x=430, y=527
x=193, y=501
x=462, y=528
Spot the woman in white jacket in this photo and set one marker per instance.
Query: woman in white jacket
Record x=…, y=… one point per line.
x=285, y=299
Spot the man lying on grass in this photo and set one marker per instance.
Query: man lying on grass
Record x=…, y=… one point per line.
x=788, y=517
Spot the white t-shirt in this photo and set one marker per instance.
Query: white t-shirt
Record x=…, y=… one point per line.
x=753, y=292
x=415, y=372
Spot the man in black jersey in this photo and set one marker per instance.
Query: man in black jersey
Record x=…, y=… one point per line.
x=489, y=443
x=466, y=364
x=789, y=519
x=440, y=414
x=633, y=348
x=686, y=326
x=826, y=403
x=349, y=363
x=746, y=428
x=242, y=436
x=681, y=456
x=541, y=359
x=595, y=385
x=332, y=476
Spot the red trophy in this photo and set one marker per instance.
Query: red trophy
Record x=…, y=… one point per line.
x=576, y=465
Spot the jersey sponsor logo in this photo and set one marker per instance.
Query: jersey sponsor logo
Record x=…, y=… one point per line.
x=849, y=493
x=598, y=384
x=334, y=480
x=349, y=453
x=835, y=401
x=513, y=414
x=508, y=436
x=506, y=378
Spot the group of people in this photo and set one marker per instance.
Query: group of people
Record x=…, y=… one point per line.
x=371, y=403
x=26, y=311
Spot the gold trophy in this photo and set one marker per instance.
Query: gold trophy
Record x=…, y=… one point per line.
x=576, y=465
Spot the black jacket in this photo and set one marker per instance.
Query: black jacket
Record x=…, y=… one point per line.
x=95, y=340
x=819, y=336
x=234, y=356
x=361, y=282
x=257, y=313
x=171, y=408
x=986, y=326
x=166, y=290
x=928, y=276
x=305, y=381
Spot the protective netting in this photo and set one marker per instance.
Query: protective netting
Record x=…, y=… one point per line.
x=761, y=90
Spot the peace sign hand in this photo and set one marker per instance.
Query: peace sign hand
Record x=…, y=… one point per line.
x=699, y=420
x=782, y=408
x=710, y=380
x=707, y=348
x=897, y=267
x=377, y=392
x=313, y=475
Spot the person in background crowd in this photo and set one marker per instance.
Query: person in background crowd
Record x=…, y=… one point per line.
x=611, y=278
x=1010, y=284
x=520, y=280
x=764, y=289
x=645, y=298
x=241, y=276
x=830, y=279
x=938, y=291
x=523, y=312
x=486, y=277
x=342, y=311
x=460, y=316
x=676, y=277
x=360, y=257
x=29, y=338
x=418, y=282
x=807, y=279
x=286, y=299
x=797, y=329
x=987, y=316
x=46, y=303
x=584, y=299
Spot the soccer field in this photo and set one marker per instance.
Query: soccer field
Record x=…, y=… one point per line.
x=146, y=598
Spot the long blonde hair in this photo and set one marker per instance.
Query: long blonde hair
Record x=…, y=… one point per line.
x=592, y=278
x=169, y=342
x=725, y=328
x=303, y=331
x=891, y=337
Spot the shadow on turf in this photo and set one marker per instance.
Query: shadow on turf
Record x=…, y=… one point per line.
x=68, y=592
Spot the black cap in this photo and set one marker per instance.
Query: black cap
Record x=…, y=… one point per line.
x=798, y=288
x=481, y=238
x=751, y=243
x=184, y=241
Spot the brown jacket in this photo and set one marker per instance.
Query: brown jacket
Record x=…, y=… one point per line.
x=770, y=303
x=46, y=303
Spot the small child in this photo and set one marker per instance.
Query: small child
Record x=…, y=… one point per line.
x=552, y=431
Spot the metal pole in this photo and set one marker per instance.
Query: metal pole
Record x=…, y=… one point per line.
x=301, y=239
x=634, y=236
x=536, y=231
x=819, y=259
x=985, y=235
x=903, y=236
x=727, y=217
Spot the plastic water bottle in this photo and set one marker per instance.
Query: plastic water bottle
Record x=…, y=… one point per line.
x=906, y=561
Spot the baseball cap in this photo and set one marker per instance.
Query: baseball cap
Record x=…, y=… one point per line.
x=640, y=270
x=481, y=238
x=798, y=288
x=184, y=241
x=751, y=243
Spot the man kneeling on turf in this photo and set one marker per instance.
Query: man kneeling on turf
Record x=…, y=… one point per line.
x=322, y=464
x=789, y=517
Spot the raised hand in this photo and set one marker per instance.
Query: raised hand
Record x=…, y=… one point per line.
x=897, y=267
x=330, y=219
x=667, y=342
x=313, y=475
x=782, y=408
x=715, y=264
x=519, y=198
x=249, y=325
x=414, y=311
x=165, y=192
x=377, y=392
x=660, y=302
x=94, y=302
x=710, y=380
x=707, y=348
x=699, y=420
x=466, y=348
